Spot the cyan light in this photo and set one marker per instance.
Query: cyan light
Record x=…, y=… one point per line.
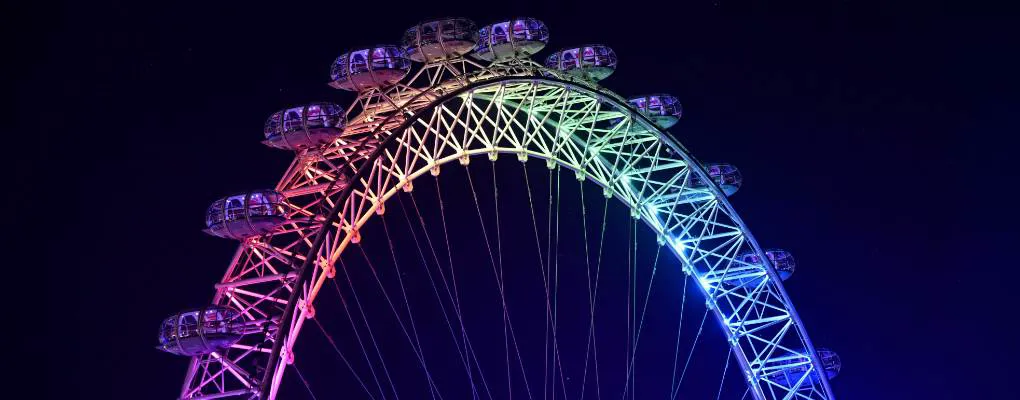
x=681, y=248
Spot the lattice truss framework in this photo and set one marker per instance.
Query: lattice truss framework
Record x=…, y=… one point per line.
x=520, y=109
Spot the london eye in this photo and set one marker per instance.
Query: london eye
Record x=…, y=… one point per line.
x=599, y=254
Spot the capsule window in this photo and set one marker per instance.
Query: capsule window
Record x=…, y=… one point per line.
x=483, y=37
x=187, y=324
x=345, y=66
x=359, y=62
x=272, y=127
x=330, y=110
x=214, y=322
x=499, y=33
x=379, y=58
x=257, y=204
x=384, y=58
x=520, y=30
x=654, y=104
x=589, y=56
x=449, y=30
x=427, y=33
x=215, y=213
x=292, y=120
x=397, y=59
x=331, y=115
x=340, y=68
x=166, y=332
x=314, y=117
x=568, y=60
x=234, y=209
x=536, y=31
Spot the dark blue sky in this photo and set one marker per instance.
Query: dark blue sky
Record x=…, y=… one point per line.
x=876, y=141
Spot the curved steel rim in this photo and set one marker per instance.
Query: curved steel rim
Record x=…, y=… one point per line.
x=342, y=196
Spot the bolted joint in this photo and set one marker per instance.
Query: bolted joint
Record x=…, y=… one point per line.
x=308, y=308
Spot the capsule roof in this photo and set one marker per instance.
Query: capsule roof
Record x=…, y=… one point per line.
x=247, y=214
x=595, y=62
x=304, y=126
x=440, y=39
x=374, y=67
x=663, y=109
x=513, y=38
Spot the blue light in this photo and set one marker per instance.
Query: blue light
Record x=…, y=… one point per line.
x=705, y=283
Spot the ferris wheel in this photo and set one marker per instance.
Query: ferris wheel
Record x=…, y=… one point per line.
x=468, y=100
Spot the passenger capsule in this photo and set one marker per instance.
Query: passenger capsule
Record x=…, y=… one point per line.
x=664, y=110
x=306, y=126
x=830, y=362
x=516, y=38
x=595, y=62
x=725, y=175
x=790, y=370
x=200, y=332
x=369, y=68
x=748, y=270
x=245, y=215
x=440, y=39
x=781, y=260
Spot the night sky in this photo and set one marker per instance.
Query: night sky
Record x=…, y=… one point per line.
x=875, y=140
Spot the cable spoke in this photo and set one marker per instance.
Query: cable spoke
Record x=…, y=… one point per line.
x=371, y=334
x=726, y=367
x=332, y=343
x=466, y=340
x=357, y=335
x=435, y=289
x=690, y=354
x=676, y=353
x=644, y=309
x=416, y=343
x=304, y=381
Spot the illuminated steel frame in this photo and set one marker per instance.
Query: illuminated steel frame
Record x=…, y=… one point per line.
x=454, y=110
